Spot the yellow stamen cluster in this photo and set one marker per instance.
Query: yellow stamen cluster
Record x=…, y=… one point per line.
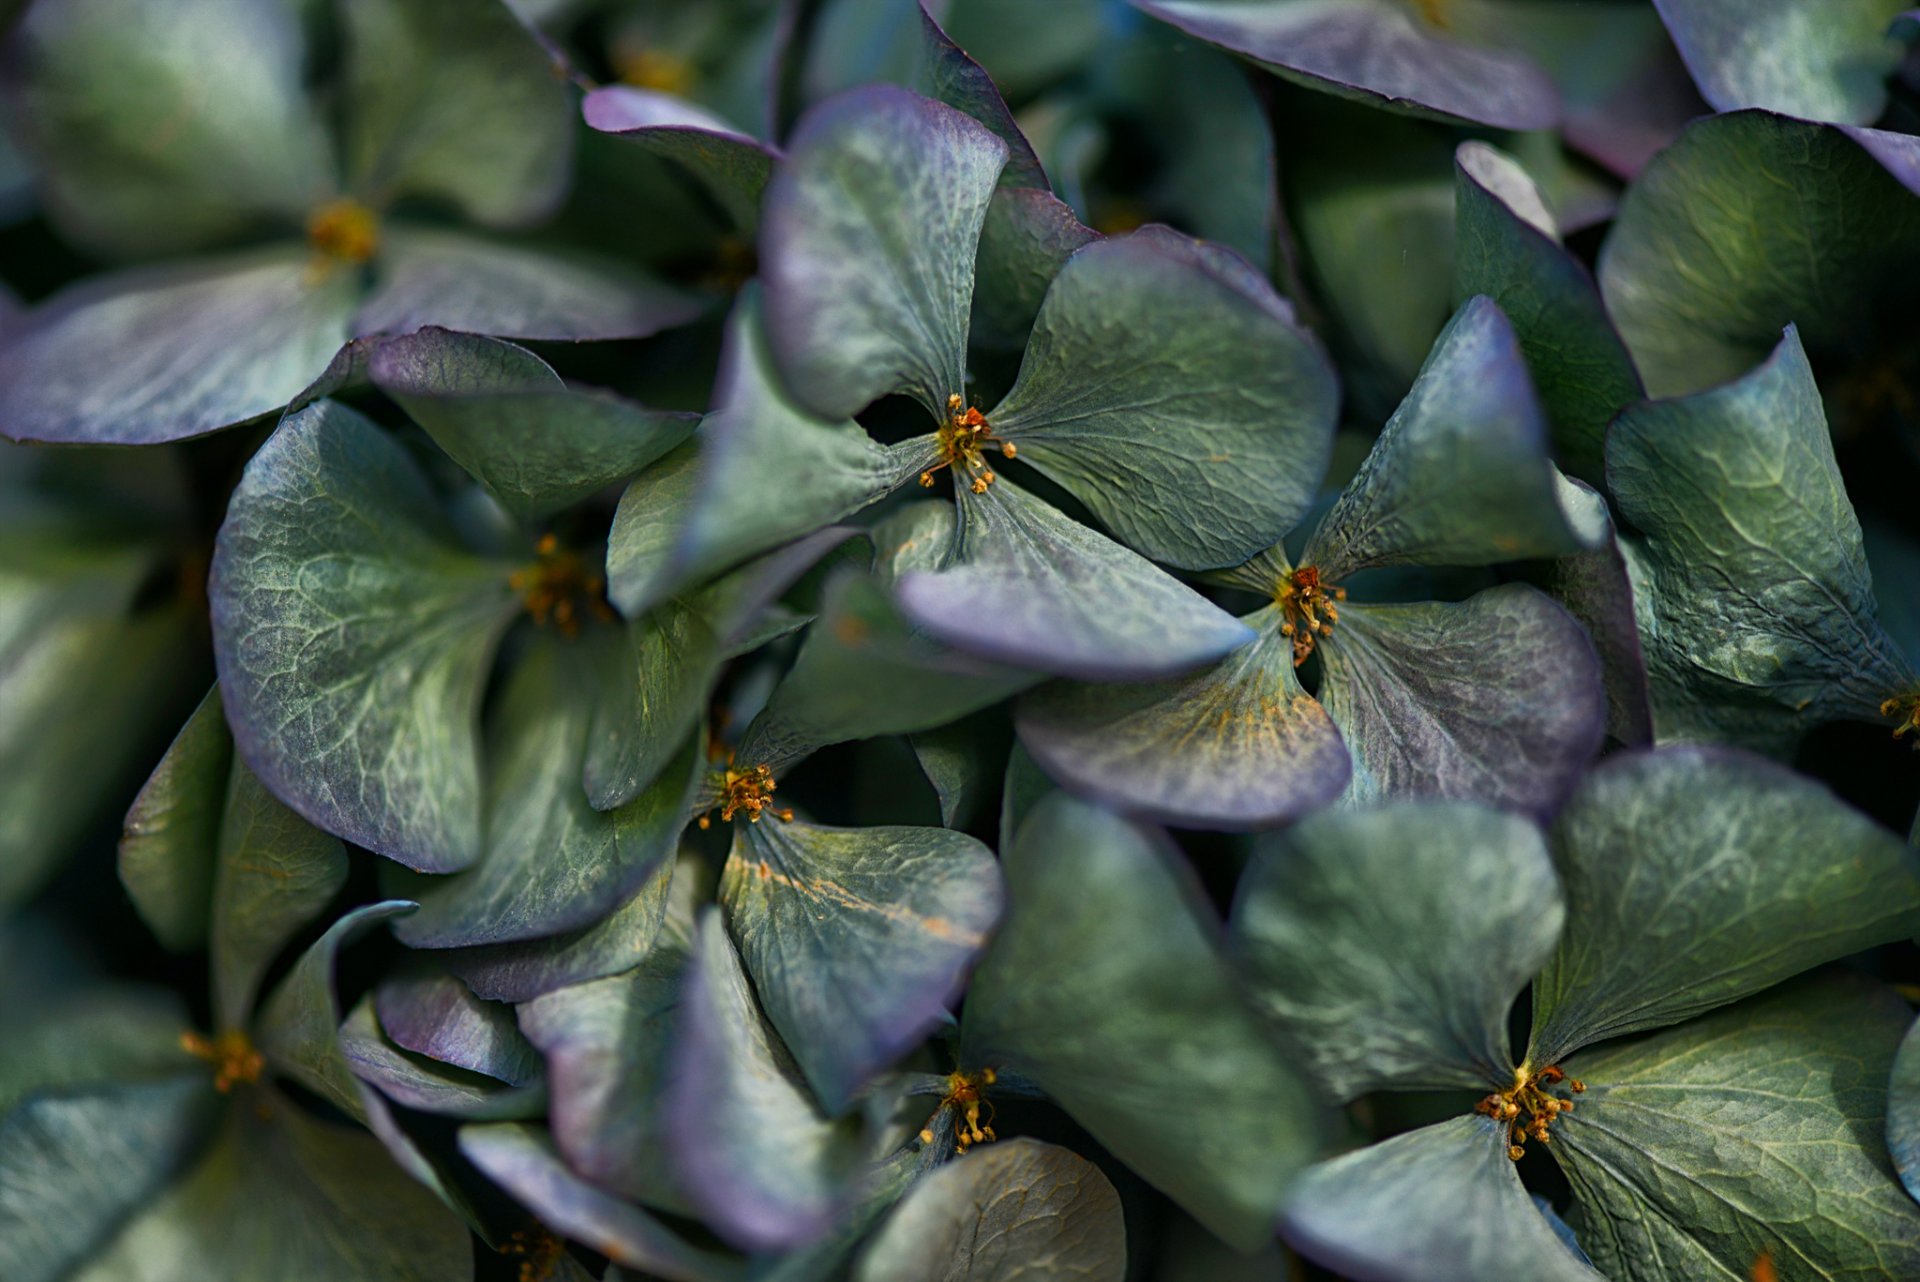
x=558, y=588
x=655, y=69
x=748, y=792
x=344, y=231
x=232, y=1055
x=1528, y=1107
x=1906, y=708
x=1310, y=610
x=966, y=1097
x=1434, y=11
x=964, y=439
x=539, y=1253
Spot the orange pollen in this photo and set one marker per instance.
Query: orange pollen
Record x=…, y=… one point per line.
x=1528, y=1107
x=344, y=231
x=1906, y=709
x=539, y=1253
x=1309, y=609
x=966, y=1096
x=559, y=589
x=655, y=69
x=1434, y=11
x=232, y=1055
x=748, y=792
x=964, y=439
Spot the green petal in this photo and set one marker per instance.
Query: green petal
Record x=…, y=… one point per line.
x=172, y=351
x=455, y=101
x=550, y=862
x=1698, y=876
x=1026, y=585
x=1903, y=1111
x=73, y=1167
x=1021, y=1211
x=767, y=472
x=867, y=248
x=1176, y=397
x=1461, y=473
x=1106, y=987
x=353, y=634
x=273, y=874
x=426, y=1084
x=857, y=939
x=765, y=1168
x=170, y=843
x=95, y=1035
x=1238, y=744
x=1434, y=1205
x=140, y=154
x=1747, y=223
x=283, y=1196
x=1817, y=59
x=1597, y=589
x=1496, y=698
x=1388, y=945
x=1754, y=1131
x=429, y=1012
x=1508, y=248
x=731, y=167
x=1756, y=608
x=504, y=415
x=1026, y=238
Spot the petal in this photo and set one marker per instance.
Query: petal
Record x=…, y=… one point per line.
x=1597, y=589
x=1432, y=1205
x=1180, y=402
x=1388, y=945
x=1497, y=698
x=1460, y=475
x=426, y=1011
x=1028, y=235
x=456, y=102
x=1028, y=586
x=1756, y=607
x=170, y=844
x=1107, y=988
x=730, y=166
x=1815, y=59
x=1698, y=876
x=1903, y=1110
x=164, y=353
x=1508, y=248
x=1237, y=744
x=867, y=249
x=459, y=281
x=1377, y=53
x=857, y=939
x=427, y=1085
x=353, y=635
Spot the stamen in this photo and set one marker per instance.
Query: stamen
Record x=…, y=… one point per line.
x=749, y=792
x=1906, y=709
x=1309, y=609
x=1434, y=11
x=344, y=231
x=232, y=1054
x=540, y=1253
x=557, y=588
x=1529, y=1095
x=966, y=1097
x=655, y=69
x=964, y=439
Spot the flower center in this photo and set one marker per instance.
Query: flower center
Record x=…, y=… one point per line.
x=1310, y=610
x=1906, y=708
x=1434, y=11
x=966, y=1097
x=344, y=231
x=232, y=1055
x=539, y=1253
x=1528, y=1107
x=749, y=792
x=964, y=439
x=558, y=588
x=655, y=69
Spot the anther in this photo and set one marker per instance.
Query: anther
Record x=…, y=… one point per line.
x=344, y=231
x=1307, y=610
x=747, y=792
x=233, y=1056
x=557, y=587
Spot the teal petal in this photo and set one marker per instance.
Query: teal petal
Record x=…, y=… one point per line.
x=170, y=844
x=427, y=1085
x=867, y=249
x=1028, y=235
x=1754, y=1131
x=857, y=939
x=1461, y=473
x=1816, y=59
x=1107, y=988
x=1699, y=876
x=1497, y=698
x=1756, y=608
x=731, y=167
x=1903, y=1111
x=1433, y=1205
x=429, y=1012
x=1174, y=394
x=1388, y=945
x=353, y=634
